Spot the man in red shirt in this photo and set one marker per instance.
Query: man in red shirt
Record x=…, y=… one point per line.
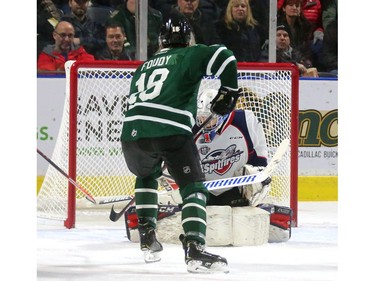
x=53, y=57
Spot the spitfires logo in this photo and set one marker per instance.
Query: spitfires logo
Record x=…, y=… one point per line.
x=221, y=160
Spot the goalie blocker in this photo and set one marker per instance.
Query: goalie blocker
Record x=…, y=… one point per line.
x=226, y=226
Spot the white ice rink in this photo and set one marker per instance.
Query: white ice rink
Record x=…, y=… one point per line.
x=99, y=250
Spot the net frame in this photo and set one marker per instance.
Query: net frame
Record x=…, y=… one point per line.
x=72, y=107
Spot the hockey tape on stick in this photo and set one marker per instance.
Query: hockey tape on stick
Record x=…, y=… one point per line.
x=250, y=179
x=76, y=185
x=235, y=181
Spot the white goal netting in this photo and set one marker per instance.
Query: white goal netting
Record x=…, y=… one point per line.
x=88, y=146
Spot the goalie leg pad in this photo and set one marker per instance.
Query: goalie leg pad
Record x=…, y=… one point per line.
x=218, y=231
x=164, y=211
x=250, y=226
x=226, y=226
x=280, y=222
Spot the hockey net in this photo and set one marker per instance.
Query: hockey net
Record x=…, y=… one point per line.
x=88, y=147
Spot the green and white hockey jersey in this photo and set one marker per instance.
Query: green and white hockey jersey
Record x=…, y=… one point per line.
x=163, y=92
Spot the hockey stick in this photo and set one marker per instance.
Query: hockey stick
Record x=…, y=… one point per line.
x=114, y=199
x=216, y=184
x=88, y=195
x=240, y=180
x=250, y=179
x=247, y=179
x=114, y=216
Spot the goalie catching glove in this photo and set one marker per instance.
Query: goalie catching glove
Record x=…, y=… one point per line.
x=225, y=101
x=256, y=193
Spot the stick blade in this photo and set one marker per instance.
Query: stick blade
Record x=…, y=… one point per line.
x=114, y=216
x=277, y=157
x=91, y=199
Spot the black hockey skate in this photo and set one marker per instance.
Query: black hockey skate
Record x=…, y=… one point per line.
x=200, y=261
x=149, y=244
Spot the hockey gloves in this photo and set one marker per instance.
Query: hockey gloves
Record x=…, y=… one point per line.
x=224, y=102
x=256, y=193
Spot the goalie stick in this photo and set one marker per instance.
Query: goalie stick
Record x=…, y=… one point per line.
x=250, y=179
x=88, y=195
x=233, y=181
x=247, y=179
x=228, y=182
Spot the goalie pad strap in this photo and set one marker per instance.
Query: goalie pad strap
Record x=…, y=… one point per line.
x=280, y=222
x=282, y=217
x=131, y=218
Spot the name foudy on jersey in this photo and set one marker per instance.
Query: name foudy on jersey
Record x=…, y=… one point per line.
x=225, y=101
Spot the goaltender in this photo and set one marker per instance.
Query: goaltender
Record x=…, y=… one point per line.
x=230, y=145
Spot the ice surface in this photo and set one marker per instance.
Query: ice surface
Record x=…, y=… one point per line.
x=97, y=249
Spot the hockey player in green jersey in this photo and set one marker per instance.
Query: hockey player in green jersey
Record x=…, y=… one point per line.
x=161, y=111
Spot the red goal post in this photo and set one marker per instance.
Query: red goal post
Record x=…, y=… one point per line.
x=88, y=146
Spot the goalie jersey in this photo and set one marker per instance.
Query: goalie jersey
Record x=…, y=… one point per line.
x=240, y=140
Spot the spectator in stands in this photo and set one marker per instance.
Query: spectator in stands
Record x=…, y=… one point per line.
x=286, y=53
x=89, y=33
x=210, y=10
x=53, y=57
x=115, y=48
x=312, y=10
x=329, y=12
x=238, y=31
x=99, y=11
x=116, y=3
x=330, y=48
x=300, y=29
x=260, y=10
x=47, y=17
x=63, y=5
x=164, y=6
x=202, y=25
x=125, y=15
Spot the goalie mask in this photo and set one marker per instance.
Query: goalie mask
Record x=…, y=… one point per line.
x=204, y=111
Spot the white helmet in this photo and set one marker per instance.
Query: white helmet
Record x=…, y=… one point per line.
x=204, y=111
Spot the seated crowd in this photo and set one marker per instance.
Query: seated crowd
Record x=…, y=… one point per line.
x=106, y=30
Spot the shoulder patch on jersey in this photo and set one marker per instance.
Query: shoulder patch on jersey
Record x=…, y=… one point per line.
x=204, y=150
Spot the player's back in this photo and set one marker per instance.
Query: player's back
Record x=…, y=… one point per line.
x=163, y=92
